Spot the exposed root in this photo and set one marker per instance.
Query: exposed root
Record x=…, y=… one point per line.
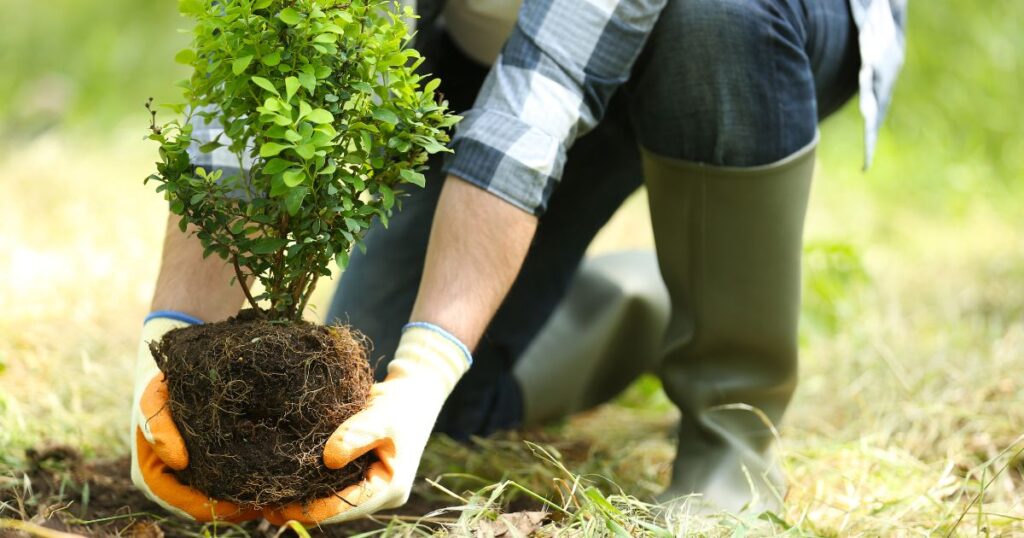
x=256, y=401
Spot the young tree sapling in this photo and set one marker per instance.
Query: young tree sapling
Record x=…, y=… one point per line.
x=323, y=107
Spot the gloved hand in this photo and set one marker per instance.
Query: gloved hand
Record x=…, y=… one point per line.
x=395, y=424
x=157, y=446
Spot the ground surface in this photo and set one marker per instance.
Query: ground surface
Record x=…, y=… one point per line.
x=907, y=421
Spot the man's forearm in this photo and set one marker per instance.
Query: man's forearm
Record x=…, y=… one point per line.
x=477, y=245
x=193, y=285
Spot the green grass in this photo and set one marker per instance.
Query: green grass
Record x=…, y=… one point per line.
x=85, y=65
x=908, y=417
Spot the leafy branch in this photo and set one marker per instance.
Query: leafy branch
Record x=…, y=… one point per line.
x=323, y=100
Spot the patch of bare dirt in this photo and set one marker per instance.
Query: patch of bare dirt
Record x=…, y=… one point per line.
x=59, y=491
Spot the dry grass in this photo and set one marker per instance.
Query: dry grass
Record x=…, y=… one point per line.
x=907, y=421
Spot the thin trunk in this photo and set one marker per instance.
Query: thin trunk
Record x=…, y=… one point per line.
x=308, y=294
x=243, y=283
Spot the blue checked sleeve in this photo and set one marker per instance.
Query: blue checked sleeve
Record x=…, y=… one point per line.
x=549, y=86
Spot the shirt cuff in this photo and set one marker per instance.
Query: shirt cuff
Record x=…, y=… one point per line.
x=507, y=157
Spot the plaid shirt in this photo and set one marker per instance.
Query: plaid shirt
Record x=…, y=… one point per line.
x=564, y=60
x=556, y=73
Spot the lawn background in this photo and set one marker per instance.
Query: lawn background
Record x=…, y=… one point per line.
x=913, y=328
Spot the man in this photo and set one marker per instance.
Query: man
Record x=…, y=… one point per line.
x=714, y=105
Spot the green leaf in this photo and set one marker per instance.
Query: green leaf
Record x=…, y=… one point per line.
x=385, y=115
x=292, y=136
x=321, y=139
x=293, y=177
x=289, y=16
x=261, y=4
x=308, y=80
x=237, y=227
x=414, y=177
x=283, y=105
x=341, y=259
x=305, y=151
x=400, y=144
x=450, y=120
x=269, y=149
x=276, y=166
x=432, y=85
x=267, y=245
x=277, y=189
x=387, y=196
x=185, y=56
x=334, y=28
x=320, y=115
x=291, y=85
x=363, y=86
x=177, y=108
x=432, y=146
x=239, y=65
x=210, y=146
x=293, y=200
x=265, y=84
x=395, y=59
x=197, y=197
x=271, y=59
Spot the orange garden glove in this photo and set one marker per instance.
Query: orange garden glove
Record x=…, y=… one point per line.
x=157, y=447
x=396, y=424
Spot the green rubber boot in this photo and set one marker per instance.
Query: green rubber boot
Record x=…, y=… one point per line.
x=605, y=332
x=729, y=244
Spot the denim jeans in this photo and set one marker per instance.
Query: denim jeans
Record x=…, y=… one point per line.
x=722, y=82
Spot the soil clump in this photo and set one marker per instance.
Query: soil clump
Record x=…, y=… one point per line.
x=257, y=400
x=58, y=489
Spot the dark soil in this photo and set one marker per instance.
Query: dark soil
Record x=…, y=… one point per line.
x=59, y=490
x=257, y=400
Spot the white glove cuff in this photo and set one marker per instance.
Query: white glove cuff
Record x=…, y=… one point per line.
x=155, y=327
x=427, y=348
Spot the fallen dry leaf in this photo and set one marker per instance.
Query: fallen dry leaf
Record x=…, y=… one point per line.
x=510, y=525
x=145, y=529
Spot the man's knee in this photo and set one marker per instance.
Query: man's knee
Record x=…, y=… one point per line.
x=725, y=82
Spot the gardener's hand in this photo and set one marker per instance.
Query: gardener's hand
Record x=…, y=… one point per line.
x=157, y=446
x=395, y=425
